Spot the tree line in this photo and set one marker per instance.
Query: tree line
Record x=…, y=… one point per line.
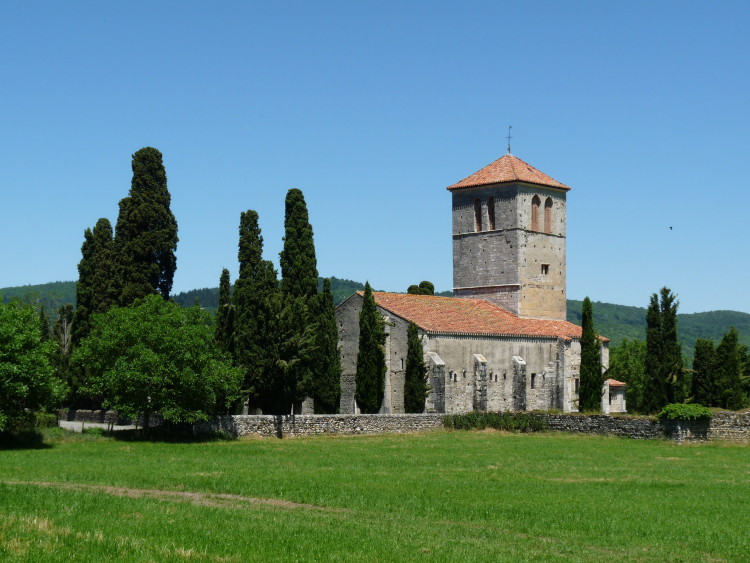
x=127, y=346
x=656, y=372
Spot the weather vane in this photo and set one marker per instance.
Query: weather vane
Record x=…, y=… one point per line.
x=509, y=137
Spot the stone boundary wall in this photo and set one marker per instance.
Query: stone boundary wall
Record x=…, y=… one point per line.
x=315, y=424
x=630, y=427
x=730, y=426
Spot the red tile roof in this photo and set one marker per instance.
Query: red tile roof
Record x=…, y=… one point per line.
x=508, y=168
x=615, y=383
x=469, y=316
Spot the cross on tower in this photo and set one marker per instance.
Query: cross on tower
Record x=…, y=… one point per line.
x=509, y=137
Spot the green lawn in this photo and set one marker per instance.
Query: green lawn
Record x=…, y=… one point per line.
x=445, y=496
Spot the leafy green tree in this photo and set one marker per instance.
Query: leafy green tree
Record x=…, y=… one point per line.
x=370, y=374
x=729, y=372
x=663, y=353
x=703, y=384
x=225, y=315
x=415, y=375
x=94, y=292
x=590, y=391
x=627, y=363
x=155, y=356
x=257, y=307
x=27, y=381
x=146, y=233
x=327, y=361
x=424, y=288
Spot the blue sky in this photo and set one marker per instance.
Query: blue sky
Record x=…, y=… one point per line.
x=372, y=109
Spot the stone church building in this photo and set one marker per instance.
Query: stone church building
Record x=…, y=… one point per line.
x=503, y=342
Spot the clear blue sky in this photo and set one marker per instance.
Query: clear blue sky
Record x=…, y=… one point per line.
x=372, y=109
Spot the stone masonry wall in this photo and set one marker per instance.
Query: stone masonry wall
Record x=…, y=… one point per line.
x=730, y=426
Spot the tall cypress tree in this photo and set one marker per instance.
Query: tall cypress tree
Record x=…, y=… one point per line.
x=256, y=302
x=299, y=267
x=94, y=293
x=415, y=376
x=299, y=286
x=225, y=315
x=703, y=386
x=327, y=362
x=370, y=375
x=146, y=232
x=729, y=372
x=590, y=390
x=663, y=352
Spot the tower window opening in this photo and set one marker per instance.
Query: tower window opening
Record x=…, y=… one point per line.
x=533, y=380
x=491, y=213
x=548, y=215
x=545, y=269
x=535, y=203
x=478, y=215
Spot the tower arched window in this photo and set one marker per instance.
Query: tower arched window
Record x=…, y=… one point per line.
x=478, y=215
x=535, y=204
x=548, y=215
x=491, y=213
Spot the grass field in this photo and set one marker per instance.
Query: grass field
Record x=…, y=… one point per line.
x=443, y=496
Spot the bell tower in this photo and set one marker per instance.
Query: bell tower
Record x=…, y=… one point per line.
x=509, y=239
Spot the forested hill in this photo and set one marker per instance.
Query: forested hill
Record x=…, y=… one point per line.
x=621, y=321
x=614, y=321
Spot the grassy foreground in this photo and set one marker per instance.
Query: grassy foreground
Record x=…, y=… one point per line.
x=443, y=496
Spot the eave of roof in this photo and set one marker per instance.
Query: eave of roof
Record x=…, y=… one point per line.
x=506, y=169
x=470, y=317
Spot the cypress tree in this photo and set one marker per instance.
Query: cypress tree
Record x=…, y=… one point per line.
x=94, y=293
x=703, y=386
x=327, y=362
x=415, y=376
x=299, y=268
x=256, y=303
x=663, y=352
x=729, y=372
x=146, y=233
x=43, y=323
x=225, y=315
x=370, y=374
x=590, y=390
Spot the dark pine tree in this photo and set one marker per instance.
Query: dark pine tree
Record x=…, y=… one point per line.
x=370, y=375
x=415, y=376
x=146, y=233
x=703, y=386
x=299, y=286
x=729, y=372
x=590, y=390
x=326, y=361
x=43, y=324
x=94, y=293
x=299, y=267
x=225, y=315
x=256, y=333
x=663, y=353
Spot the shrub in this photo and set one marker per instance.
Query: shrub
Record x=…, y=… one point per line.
x=685, y=411
x=519, y=422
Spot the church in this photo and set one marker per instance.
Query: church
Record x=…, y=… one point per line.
x=503, y=341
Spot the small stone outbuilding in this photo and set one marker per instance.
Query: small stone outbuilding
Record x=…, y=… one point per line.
x=613, y=396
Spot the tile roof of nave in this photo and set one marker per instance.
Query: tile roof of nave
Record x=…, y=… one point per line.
x=455, y=315
x=508, y=168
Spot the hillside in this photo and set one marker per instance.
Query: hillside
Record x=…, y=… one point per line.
x=617, y=322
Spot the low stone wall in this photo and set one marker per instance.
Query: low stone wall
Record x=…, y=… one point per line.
x=315, y=424
x=630, y=427
x=730, y=426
